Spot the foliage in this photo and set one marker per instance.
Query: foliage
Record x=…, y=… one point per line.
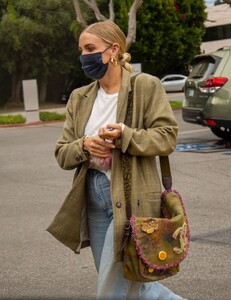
x=39, y=35
x=36, y=39
x=51, y=116
x=176, y=104
x=45, y=116
x=12, y=119
x=169, y=34
x=121, y=18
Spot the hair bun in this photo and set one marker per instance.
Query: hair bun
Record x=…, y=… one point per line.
x=126, y=57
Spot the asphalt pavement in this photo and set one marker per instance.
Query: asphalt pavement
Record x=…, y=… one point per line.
x=32, y=187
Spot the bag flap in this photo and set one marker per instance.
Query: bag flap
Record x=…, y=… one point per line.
x=162, y=243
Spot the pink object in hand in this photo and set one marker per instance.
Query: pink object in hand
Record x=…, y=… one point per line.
x=101, y=163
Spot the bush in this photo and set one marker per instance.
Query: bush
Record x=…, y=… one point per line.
x=176, y=104
x=46, y=116
x=19, y=119
x=51, y=116
x=12, y=119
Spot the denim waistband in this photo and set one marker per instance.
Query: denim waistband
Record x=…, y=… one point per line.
x=94, y=172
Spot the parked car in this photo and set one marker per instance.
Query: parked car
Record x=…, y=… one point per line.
x=174, y=82
x=208, y=92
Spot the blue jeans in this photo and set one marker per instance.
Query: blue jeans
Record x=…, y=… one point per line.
x=111, y=283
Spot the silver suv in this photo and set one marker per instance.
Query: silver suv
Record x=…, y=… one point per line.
x=208, y=92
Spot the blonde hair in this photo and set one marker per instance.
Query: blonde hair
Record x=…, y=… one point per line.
x=110, y=33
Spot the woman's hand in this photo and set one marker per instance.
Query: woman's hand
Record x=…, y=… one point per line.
x=97, y=146
x=110, y=132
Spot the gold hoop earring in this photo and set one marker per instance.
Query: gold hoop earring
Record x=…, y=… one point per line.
x=114, y=61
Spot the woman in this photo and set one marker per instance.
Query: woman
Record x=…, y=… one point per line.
x=93, y=140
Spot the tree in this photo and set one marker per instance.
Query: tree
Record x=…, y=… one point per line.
x=92, y=4
x=37, y=37
x=36, y=41
x=169, y=34
x=158, y=31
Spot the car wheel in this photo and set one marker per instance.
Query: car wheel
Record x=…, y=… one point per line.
x=222, y=132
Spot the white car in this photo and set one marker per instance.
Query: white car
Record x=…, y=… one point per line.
x=174, y=82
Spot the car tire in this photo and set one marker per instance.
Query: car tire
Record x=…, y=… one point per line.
x=222, y=132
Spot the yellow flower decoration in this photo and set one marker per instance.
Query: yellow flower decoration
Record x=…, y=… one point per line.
x=162, y=255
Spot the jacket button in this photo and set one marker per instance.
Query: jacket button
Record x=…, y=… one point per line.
x=118, y=204
x=79, y=158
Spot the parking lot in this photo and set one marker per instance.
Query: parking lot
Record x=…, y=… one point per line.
x=35, y=266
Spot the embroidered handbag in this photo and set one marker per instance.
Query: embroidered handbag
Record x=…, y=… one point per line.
x=156, y=246
x=153, y=247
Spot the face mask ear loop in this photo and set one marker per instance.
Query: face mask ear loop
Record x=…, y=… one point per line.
x=106, y=49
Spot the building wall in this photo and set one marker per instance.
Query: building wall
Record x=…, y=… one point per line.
x=218, y=28
x=212, y=46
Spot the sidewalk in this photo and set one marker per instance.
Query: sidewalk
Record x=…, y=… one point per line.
x=58, y=108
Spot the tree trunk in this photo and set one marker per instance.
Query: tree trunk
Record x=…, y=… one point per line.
x=16, y=86
x=79, y=15
x=131, y=36
x=92, y=4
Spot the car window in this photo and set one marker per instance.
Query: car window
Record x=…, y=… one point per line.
x=202, y=67
x=179, y=78
x=169, y=79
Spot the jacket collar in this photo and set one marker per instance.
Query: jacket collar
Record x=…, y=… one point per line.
x=123, y=96
x=88, y=95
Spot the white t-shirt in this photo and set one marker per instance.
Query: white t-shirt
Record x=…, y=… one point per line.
x=103, y=113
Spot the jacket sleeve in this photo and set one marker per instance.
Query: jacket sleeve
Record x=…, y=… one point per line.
x=69, y=151
x=156, y=132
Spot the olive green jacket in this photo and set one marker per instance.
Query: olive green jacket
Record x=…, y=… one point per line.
x=153, y=133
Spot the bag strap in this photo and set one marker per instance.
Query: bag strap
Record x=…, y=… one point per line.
x=165, y=172
x=126, y=166
x=126, y=159
x=127, y=170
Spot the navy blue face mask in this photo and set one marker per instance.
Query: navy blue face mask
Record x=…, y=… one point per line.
x=93, y=66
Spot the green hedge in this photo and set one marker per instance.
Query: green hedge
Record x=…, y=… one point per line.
x=176, y=104
x=51, y=116
x=12, y=119
x=43, y=115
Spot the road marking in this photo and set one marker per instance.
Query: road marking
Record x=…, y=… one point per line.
x=195, y=147
x=192, y=131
